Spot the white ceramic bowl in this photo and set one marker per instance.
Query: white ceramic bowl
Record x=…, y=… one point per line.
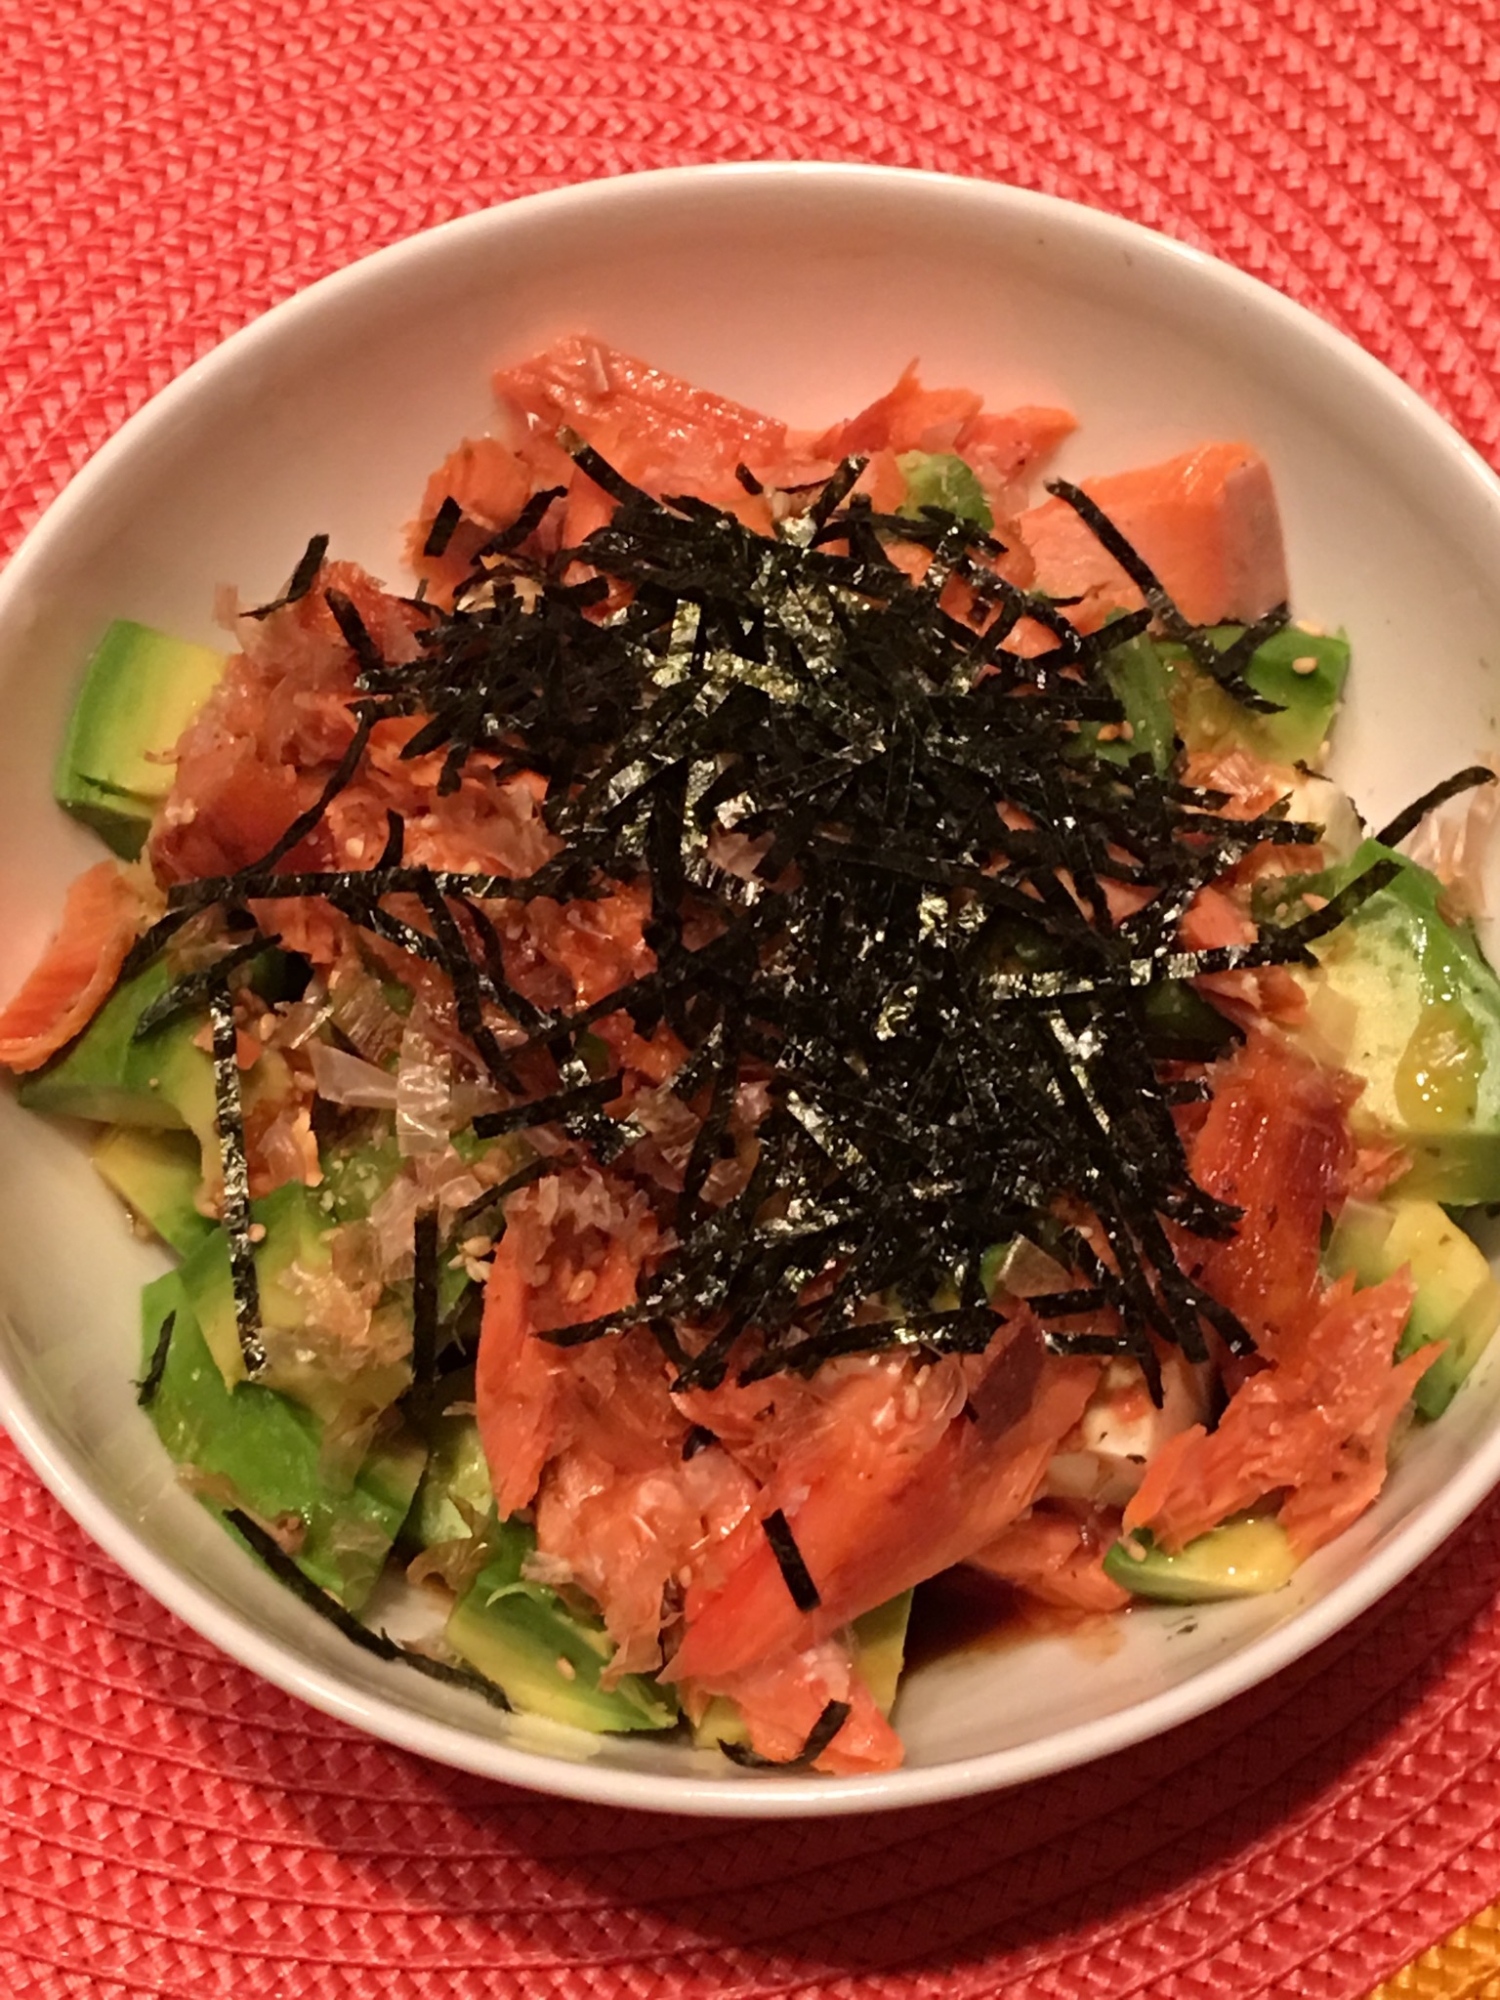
x=804, y=290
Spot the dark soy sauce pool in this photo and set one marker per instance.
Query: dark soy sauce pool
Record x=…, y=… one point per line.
x=965, y=1611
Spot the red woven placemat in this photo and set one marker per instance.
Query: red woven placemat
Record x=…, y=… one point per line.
x=168, y=1826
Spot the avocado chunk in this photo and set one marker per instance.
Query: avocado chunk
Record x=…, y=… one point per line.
x=250, y=1447
x=1243, y=1558
x=163, y=1081
x=1405, y=1001
x=1457, y=1300
x=295, y=1226
x=158, y=1174
x=1302, y=672
x=942, y=479
x=879, y=1645
x=457, y=1472
x=357, y=1174
x=1139, y=678
x=546, y=1655
x=140, y=691
x=1181, y=1023
x=290, y=1257
x=880, y=1648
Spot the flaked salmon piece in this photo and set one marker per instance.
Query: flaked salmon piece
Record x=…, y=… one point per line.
x=1006, y=446
x=630, y=1533
x=1003, y=447
x=485, y=478
x=1315, y=1424
x=578, y=378
x=1206, y=522
x=490, y=484
x=660, y=431
x=1275, y=1144
x=906, y=418
x=515, y=1385
x=257, y=752
x=781, y=1701
x=531, y=1394
x=895, y=1485
x=67, y=987
x=1055, y=1555
x=883, y=484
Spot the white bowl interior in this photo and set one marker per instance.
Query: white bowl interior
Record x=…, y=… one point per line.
x=802, y=290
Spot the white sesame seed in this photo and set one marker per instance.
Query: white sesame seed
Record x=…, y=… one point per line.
x=1305, y=663
x=566, y=1667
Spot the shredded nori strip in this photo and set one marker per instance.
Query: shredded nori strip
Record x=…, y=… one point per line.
x=525, y=524
x=835, y=1714
x=1226, y=667
x=424, y=1296
x=303, y=578
x=236, y=1173
x=192, y=989
x=152, y=942
x=535, y=1170
x=395, y=841
x=356, y=633
x=444, y=521
x=151, y=1381
x=337, y=782
x=287, y=1571
x=1341, y=907
x=557, y=1109
x=1407, y=822
x=699, y=1438
x=784, y=1547
x=367, y=884
x=452, y=1675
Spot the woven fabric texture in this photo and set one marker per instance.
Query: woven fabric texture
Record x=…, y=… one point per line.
x=169, y=1827
x=1465, y=1966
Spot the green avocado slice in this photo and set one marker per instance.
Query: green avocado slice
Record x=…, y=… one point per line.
x=140, y=691
x=1302, y=672
x=252, y=1448
x=1406, y=1002
x=163, y=1082
x=548, y=1656
x=158, y=1174
x=1244, y=1558
x=1457, y=1300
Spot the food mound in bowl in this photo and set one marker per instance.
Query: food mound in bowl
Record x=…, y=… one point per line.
x=796, y=1017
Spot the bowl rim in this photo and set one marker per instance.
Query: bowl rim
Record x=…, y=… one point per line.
x=390, y=1720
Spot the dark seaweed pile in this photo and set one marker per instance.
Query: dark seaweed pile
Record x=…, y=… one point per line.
x=959, y=1049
